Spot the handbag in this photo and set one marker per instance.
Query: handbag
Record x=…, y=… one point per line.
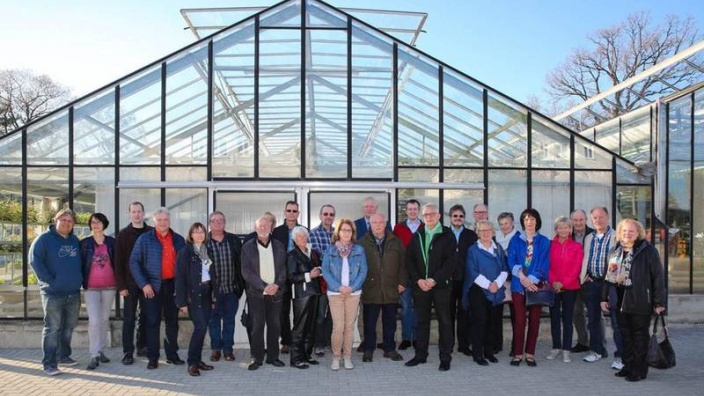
x=246, y=319
x=544, y=296
x=660, y=354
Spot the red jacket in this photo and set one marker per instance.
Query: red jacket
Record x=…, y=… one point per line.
x=565, y=263
x=404, y=233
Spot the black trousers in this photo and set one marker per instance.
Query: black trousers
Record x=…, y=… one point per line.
x=199, y=312
x=486, y=323
x=370, y=313
x=460, y=317
x=133, y=314
x=424, y=302
x=303, y=332
x=286, y=315
x=265, y=311
x=323, y=323
x=635, y=333
x=162, y=304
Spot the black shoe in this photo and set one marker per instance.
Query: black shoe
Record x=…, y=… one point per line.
x=405, y=344
x=380, y=345
x=300, y=365
x=492, y=359
x=204, y=367
x=253, y=366
x=94, y=363
x=276, y=363
x=229, y=356
x=394, y=356
x=176, y=361
x=531, y=362
x=623, y=373
x=103, y=358
x=128, y=359
x=579, y=348
x=152, y=364
x=516, y=362
x=481, y=362
x=142, y=352
x=312, y=361
x=193, y=371
x=415, y=361
x=444, y=365
x=368, y=357
x=633, y=378
x=284, y=349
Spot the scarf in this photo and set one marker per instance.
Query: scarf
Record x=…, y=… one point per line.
x=618, y=271
x=202, y=254
x=343, y=249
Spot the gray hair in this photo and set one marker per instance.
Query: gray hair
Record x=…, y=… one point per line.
x=161, y=210
x=562, y=220
x=485, y=223
x=298, y=230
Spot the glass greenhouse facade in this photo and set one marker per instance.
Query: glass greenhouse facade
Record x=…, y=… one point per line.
x=304, y=101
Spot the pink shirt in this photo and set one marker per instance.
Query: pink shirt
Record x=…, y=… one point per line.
x=101, y=274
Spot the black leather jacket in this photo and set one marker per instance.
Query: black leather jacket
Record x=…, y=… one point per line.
x=298, y=265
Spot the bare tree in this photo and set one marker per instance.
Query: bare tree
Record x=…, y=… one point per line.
x=621, y=52
x=25, y=96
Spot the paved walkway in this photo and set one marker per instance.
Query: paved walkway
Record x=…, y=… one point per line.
x=20, y=374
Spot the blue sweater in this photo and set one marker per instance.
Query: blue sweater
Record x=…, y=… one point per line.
x=540, y=264
x=145, y=261
x=332, y=268
x=57, y=263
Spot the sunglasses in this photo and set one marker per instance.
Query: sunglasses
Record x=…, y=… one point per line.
x=291, y=211
x=461, y=216
x=329, y=214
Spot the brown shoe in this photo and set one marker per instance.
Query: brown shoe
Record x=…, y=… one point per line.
x=206, y=367
x=193, y=371
x=229, y=356
x=215, y=356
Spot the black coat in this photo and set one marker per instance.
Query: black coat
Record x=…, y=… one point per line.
x=298, y=265
x=467, y=239
x=250, y=268
x=441, y=258
x=188, y=279
x=124, y=243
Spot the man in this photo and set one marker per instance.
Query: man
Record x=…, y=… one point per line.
x=264, y=273
x=282, y=234
x=224, y=250
x=369, y=207
x=459, y=316
x=386, y=279
x=430, y=261
x=55, y=259
x=153, y=266
x=404, y=231
x=481, y=212
x=320, y=240
x=127, y=287
x=579, y=231
x=597, y=249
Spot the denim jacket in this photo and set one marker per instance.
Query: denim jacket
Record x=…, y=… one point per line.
x=332, y=268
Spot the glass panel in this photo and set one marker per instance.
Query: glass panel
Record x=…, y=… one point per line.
x=607, y=135
x=592, y=189
x=466, y=198
x=550, y=196
x=507, y=134
x=635, y=136
x=233, y=100
x=94, y=130
x=288, y=14
x=187, y=107
x=679, y=193
x=326, y=104
x=551, y=145
x=149, y=197
x=11, y=149
x=280, y=104
x=634, y=202
x=187, y=206
x=418, y=111
x=463, y=133
x=94, y=191
x=698, y=198
x=507, y=191
x=589, y=156
x=47, y=141
x=424, y=196
x=140, y=119
x=418, y=175
x=183, y=173
x=11, y=203
x=348, y=204
x=242, y=209
x=320, y=15
x=372, y=104
x=627, y=173
x=464, y=176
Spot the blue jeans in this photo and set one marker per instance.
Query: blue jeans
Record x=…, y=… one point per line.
x=162, y=304
x=60, y=318
x=199, y=312
x=561, y=319
x=222, y=322
x=370, y=313
x=409, y=319
x=596, y=321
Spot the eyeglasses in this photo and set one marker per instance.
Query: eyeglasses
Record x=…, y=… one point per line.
x=429, y=214
x=461, y=216
x=480, y=212
x=345, y=230
x=291, y=210
x=217, y=220
x=328, y=214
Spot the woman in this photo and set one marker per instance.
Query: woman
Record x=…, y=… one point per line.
x=528, y=258
x=565, y=264
x=303, y=272
x=636, y=272
x=194, y=292
x=98, y=256
x=483, y=292
x=345, y=270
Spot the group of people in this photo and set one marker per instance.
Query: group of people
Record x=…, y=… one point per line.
x=465, y=275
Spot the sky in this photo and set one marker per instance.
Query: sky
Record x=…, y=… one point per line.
x=509, y=45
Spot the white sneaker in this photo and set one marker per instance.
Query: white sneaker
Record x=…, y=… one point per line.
x=335, y=364
x=566, y=356
x=592, y=357
x=553, y=354
x=348, y=364
x=617, y=364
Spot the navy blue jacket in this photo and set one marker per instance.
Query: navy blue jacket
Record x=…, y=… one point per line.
x=145, y=260
x=189, y=272
x=88, y=248
x=481, y=262
x=57, y=263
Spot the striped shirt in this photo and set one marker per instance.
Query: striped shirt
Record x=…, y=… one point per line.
x=224, y=265
x=599, y=249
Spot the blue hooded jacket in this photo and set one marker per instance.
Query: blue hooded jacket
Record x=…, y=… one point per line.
x=57, y=263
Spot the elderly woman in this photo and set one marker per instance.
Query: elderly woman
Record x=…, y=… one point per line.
x=98, y=257
x=345, y=270
x=483, y=292
x=303, y=271
x=528, y=258
x=565, y=264
x=194, y=292
x=636, y=271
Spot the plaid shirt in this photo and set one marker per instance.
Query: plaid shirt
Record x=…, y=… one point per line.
x=224, y=265
x=599, y=250
x=320, y=239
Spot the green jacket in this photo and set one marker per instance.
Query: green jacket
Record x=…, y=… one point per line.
x=384, y=274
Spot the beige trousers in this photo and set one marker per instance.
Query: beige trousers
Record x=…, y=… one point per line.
x=343, y=310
